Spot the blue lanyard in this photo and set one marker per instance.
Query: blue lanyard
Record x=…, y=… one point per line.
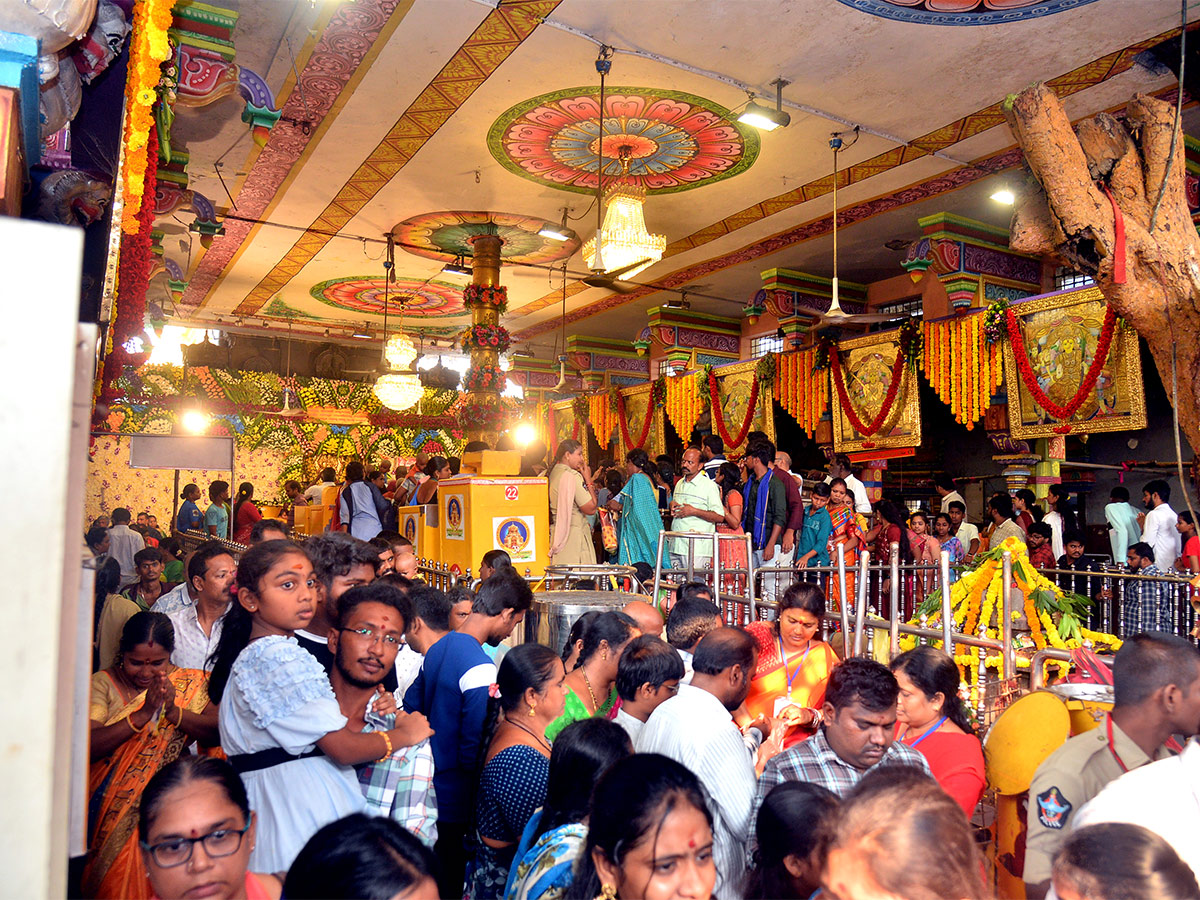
x=930, y=731
x=790, y=676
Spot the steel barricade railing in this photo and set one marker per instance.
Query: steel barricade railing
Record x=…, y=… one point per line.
x=1108, y=613
x=721, y=577
x=191, y=540
x=603, y=577
x=1037, y=678
x=439, y=575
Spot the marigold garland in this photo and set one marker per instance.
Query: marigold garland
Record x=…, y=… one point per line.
x=718, y=415
x=1025, y=369
x=801, y=389
x=684, y=403
x=623, y=421
x=867, y=429
x=602, y=418
x=962, y=367
x=148, y=49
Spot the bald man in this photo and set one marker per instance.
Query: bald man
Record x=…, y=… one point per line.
x=649, y=620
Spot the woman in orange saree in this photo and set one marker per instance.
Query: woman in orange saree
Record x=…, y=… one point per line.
x=793, y=664
x=845, y=532
x=144, y=713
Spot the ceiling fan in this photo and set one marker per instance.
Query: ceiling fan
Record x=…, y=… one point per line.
x=612, y=280
x=836, y=316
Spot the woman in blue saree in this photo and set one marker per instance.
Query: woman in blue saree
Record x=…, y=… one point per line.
x=640, y=523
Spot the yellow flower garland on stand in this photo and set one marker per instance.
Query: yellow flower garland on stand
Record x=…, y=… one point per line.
x=148, y=49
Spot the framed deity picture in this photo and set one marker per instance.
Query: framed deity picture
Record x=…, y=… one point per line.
x=735, y=385
x=639, y=405
x=868, y=367
x=1061, y=332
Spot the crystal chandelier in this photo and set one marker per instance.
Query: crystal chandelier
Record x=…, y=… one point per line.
x=623, y=236
x=399, y=390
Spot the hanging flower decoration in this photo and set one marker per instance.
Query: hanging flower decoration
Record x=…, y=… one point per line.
x=623, y=422
x=475, y=295
x=821, y=354
x=148, y=49
x=868, y=429
x=581, y=407
x=1029, y=377
x=800, y=389
x=963, y=369
x=994, y=321
x=764, y=371
x=912, y=343
x=486, y=337
x=718, y=415
x=685, y=403
x=602, y=416
x=491, y=414
x=484, y=378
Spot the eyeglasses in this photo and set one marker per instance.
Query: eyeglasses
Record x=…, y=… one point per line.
x=390, y=639
x=177, y=851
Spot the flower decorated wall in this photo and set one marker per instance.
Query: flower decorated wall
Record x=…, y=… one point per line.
x=112, y=483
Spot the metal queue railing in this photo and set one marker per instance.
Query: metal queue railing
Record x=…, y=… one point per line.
x=732, y=585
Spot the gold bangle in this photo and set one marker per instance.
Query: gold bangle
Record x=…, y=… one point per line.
x=387, y=740
x=133, y=727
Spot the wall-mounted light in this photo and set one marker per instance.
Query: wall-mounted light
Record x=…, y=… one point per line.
x=558, y=232
x=1004, y=196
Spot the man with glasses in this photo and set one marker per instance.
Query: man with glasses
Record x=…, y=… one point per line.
x=368, y=632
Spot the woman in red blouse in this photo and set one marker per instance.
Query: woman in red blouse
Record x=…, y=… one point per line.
x=931, y=718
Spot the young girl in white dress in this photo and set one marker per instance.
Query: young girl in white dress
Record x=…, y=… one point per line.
x=280, y=723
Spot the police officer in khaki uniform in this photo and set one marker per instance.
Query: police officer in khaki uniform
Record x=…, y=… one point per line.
x=1155, y=677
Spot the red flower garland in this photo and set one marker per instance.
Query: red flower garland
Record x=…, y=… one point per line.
x=718, y=416
x=623, y=421
x=1089, y=380
x=885, y=408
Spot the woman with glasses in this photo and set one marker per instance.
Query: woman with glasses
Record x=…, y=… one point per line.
x=143, y=712
x=196, y=832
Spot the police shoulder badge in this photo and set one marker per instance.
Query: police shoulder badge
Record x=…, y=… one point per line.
x=1053, y=808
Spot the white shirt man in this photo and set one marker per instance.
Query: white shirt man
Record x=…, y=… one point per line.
x=1159, y=529
x=1163, y=797
x=951, y=497
x=695, y=728
x=697, y=506
x=124, y=543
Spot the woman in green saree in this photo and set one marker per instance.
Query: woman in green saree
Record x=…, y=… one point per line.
x=640, y=522
x=591, y=686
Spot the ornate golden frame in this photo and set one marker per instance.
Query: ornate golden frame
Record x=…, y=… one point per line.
x=905, y=418
x=764, y=420
x=1128, y=375
x=655, y=445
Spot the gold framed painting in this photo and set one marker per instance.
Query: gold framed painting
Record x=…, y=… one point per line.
x=564, y=427
x=1061, y=332
x=637, y=401
x=867, y=364
x=734, y=385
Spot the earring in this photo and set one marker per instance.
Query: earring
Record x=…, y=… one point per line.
x=607, y=892
x=605, y=656
x=531, y=710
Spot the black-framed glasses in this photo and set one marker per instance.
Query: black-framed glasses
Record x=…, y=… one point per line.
x=390, y=639
x=177, y=851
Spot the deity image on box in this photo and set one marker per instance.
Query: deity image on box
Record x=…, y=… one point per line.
x=1061, y=333
x=455, y=526
x=867, y=366
x=409, y=529
x=515, y=536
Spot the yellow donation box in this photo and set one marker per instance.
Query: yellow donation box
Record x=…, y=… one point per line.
x=420, y=525
x=479, y=514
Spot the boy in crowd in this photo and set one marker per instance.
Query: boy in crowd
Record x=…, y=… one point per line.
x=648, y=673
x=1038, y=541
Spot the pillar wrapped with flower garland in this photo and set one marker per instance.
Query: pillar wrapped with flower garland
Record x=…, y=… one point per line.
x=483, y=413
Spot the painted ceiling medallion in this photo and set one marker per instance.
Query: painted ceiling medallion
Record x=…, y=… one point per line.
x=673, y=141
x=364, y=294
x=963, y=12
x=447, y=235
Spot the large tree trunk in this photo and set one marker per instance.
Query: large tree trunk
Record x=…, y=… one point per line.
x=1066, y=215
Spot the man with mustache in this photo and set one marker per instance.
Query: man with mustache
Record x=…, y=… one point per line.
x=369, y=625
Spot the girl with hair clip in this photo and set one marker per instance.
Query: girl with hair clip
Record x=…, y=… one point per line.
x=572, y=500
x=512, y=783
x=245, y=513
x=280, y=722
x=591, y=685
x=649, y=835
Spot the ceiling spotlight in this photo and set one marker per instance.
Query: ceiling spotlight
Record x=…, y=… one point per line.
x=458, y=267
x=558, y=232
x=1005, y=196
x=763, y=117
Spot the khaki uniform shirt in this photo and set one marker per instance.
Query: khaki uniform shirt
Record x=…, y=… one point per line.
x=1068, y=778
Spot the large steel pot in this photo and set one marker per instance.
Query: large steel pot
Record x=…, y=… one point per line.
x=552, y=614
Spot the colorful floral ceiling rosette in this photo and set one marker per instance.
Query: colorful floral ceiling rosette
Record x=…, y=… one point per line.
x=448, y=235
x=672, y=141
x=364, y=294
x=963, y=12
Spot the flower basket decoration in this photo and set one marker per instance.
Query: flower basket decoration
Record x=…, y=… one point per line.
x=486, y=337
x=484, y=378
x=475, y=296
x=764, y=371
x=484, y=415
x=995, y=324
x=912, y=343
x=581, y=408
x=821, y=354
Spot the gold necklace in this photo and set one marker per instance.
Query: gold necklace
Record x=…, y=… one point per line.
x=595, y=705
